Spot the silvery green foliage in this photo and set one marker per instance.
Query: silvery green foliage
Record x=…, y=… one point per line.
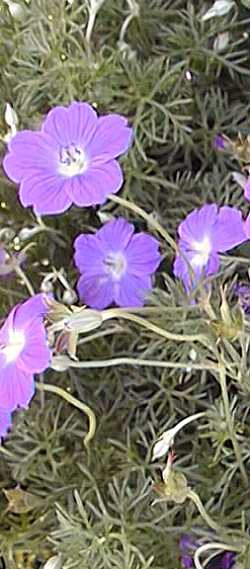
x=179, y=91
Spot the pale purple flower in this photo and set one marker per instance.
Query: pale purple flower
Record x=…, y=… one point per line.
x=202, y=235
x=116, y=265
x=71, y=160
x=5, y=422
x=23, y=352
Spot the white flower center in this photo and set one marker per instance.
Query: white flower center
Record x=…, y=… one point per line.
x=15, y=345
x=72, y=161
x=202, y=251
x=115, y=264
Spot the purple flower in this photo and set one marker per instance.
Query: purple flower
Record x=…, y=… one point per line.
x=116, y=265
x=187, y=547
x=71, y=160
x=219, y=142
x=5, y=422
x=23, y=352
x=202, y=235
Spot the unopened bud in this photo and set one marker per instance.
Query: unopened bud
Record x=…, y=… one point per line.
x=69, y=296
x=54, y=562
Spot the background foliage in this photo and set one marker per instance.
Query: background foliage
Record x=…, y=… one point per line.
x=155, y=62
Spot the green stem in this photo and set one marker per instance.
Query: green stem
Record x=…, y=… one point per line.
x=76, y=403
x=25, y=279
x=224, y=392
x=153, y=222
x=134, y=361
x=120, y=313
x=197, y=501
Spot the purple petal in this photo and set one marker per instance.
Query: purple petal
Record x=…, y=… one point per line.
x=142, y=254
x=131, y=290
x=187, y=543
x=229, y=230
x=94, y=186
x=247, y=189
x=198, y=224
x=35, y=308
x=112, y=138
x=219, y=142
x=35, y=356
x=95, y=291
x=71, y=125
x=89, y=255
x=228, y=560
x=16, y=386
x=47, y=194
x=5, y=422
x=30, y=153
x=116, y=234
x=186, y=562
x=191, y=278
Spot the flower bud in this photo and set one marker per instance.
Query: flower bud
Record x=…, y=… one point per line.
x=54, y=562
x=69, y=296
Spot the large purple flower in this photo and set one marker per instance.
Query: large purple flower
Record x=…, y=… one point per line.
x=23, y=352
x=116, y=265
x=71, y=160
x=202, y=235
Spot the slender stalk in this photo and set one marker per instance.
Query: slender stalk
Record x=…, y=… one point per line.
x=24, y=278
x=198, y=503
x=135, y=362
x=120, y=313
x=224, y=392
x=153, y=222
x=76, y=403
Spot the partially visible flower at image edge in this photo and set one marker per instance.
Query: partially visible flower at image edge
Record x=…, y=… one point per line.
x=242, y=291
x=71, y=160
x=188, y=545
x=23, y=352
x=5, y=422
x=116, y=265
x=203, y=234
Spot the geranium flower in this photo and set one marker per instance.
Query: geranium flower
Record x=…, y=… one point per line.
x=187, y=546
x=116, y=265
x=71, y=160
x=23, y=352
x=203, y=234
x=5, y=422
